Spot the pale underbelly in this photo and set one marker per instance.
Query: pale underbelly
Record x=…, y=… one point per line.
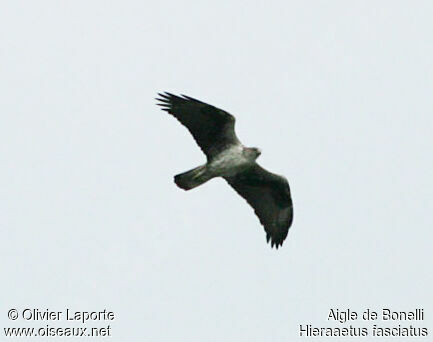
x=228, y=164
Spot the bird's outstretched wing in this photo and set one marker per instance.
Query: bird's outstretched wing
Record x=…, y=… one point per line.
x=269, y=195
x=212, y=128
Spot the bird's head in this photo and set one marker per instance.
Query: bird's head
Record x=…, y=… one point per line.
x=253, y=152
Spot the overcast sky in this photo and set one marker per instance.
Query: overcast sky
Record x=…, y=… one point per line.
x=337, y=94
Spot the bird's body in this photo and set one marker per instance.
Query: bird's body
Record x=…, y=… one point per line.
x=231, y=161
x=227, y=163
x=213, y=130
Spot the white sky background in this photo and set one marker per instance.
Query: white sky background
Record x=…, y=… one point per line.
x=337, y=94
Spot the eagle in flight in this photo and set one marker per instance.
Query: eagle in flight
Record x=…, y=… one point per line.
x=214, y=131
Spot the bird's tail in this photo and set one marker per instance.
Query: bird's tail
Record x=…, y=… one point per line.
x=192, y=178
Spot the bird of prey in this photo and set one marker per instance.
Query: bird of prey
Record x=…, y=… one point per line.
x=213, y=130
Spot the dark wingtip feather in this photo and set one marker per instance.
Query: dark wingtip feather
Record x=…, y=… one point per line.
x=274, y=243
x=190, y=98
x=171, y=96
x=165, y=101
x=164, y=95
